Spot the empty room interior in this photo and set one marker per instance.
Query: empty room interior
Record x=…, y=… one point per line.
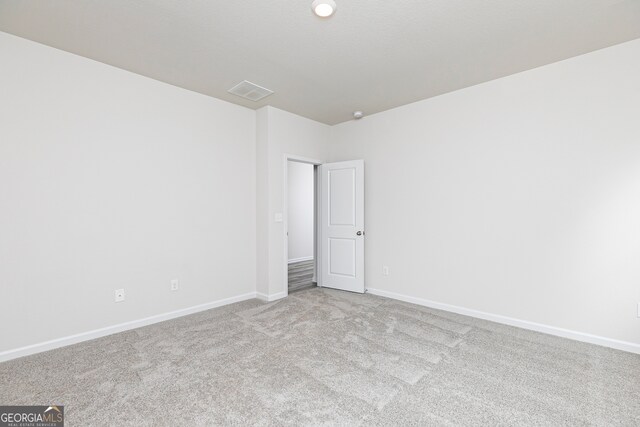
x=320, y=212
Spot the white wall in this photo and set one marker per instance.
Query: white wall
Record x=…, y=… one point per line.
x=518, y=197
x=300, y=205
x=111, y=180
x=263, y=216
x=280, y=133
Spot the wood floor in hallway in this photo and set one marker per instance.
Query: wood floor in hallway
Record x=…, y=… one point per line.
x=300, y=275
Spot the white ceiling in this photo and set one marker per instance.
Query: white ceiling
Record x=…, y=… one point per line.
x=372, y=55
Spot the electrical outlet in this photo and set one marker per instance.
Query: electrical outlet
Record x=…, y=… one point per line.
x=639, y=309
x=385, y=270
x=175, y=284
x=119, y=295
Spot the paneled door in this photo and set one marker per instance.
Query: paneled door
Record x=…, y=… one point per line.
x=342, y=226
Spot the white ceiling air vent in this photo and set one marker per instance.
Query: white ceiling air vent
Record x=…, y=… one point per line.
x=250, y=91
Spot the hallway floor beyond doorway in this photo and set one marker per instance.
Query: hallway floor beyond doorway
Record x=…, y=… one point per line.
x=300, y=275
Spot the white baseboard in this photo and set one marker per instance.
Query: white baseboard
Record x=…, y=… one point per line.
x=538, y=327
x=305, y=258
x=121, y=327
x=270, y=297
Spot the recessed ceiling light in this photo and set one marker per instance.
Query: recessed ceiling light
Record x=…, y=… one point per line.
x=323, y=8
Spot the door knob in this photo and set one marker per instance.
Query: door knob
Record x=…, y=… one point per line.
x=359, y=233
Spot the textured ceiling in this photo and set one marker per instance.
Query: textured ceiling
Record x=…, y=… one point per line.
x=372, y=55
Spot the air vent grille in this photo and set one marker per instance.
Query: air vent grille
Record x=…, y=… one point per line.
x=250, y=91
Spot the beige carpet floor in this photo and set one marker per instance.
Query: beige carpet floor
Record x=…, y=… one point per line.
x=322, y=357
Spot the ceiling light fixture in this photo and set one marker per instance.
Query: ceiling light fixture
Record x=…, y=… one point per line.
x=323, y=8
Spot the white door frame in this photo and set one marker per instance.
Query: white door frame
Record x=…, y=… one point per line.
x=285, y=216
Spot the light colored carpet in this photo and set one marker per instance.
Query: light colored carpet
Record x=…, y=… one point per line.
x=333, y=358
x=300, y=275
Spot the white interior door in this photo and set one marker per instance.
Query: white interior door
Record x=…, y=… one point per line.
x=342, y=225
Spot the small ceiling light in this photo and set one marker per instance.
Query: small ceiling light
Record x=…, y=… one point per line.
x=323, y=8
x=358, y=115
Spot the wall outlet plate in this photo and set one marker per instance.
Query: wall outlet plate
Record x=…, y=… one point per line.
x=175, y=284
x=119, y=295
x=385, y=270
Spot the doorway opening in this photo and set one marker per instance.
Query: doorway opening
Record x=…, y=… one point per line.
x=301, y=239
x=323, y=224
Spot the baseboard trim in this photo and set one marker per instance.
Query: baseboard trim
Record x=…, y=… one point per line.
x=538, y=327
x=270, y=297
x=305, y=258
x=121, y=327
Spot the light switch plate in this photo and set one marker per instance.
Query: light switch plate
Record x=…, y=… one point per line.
x=119, y=295
x=278, y=217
